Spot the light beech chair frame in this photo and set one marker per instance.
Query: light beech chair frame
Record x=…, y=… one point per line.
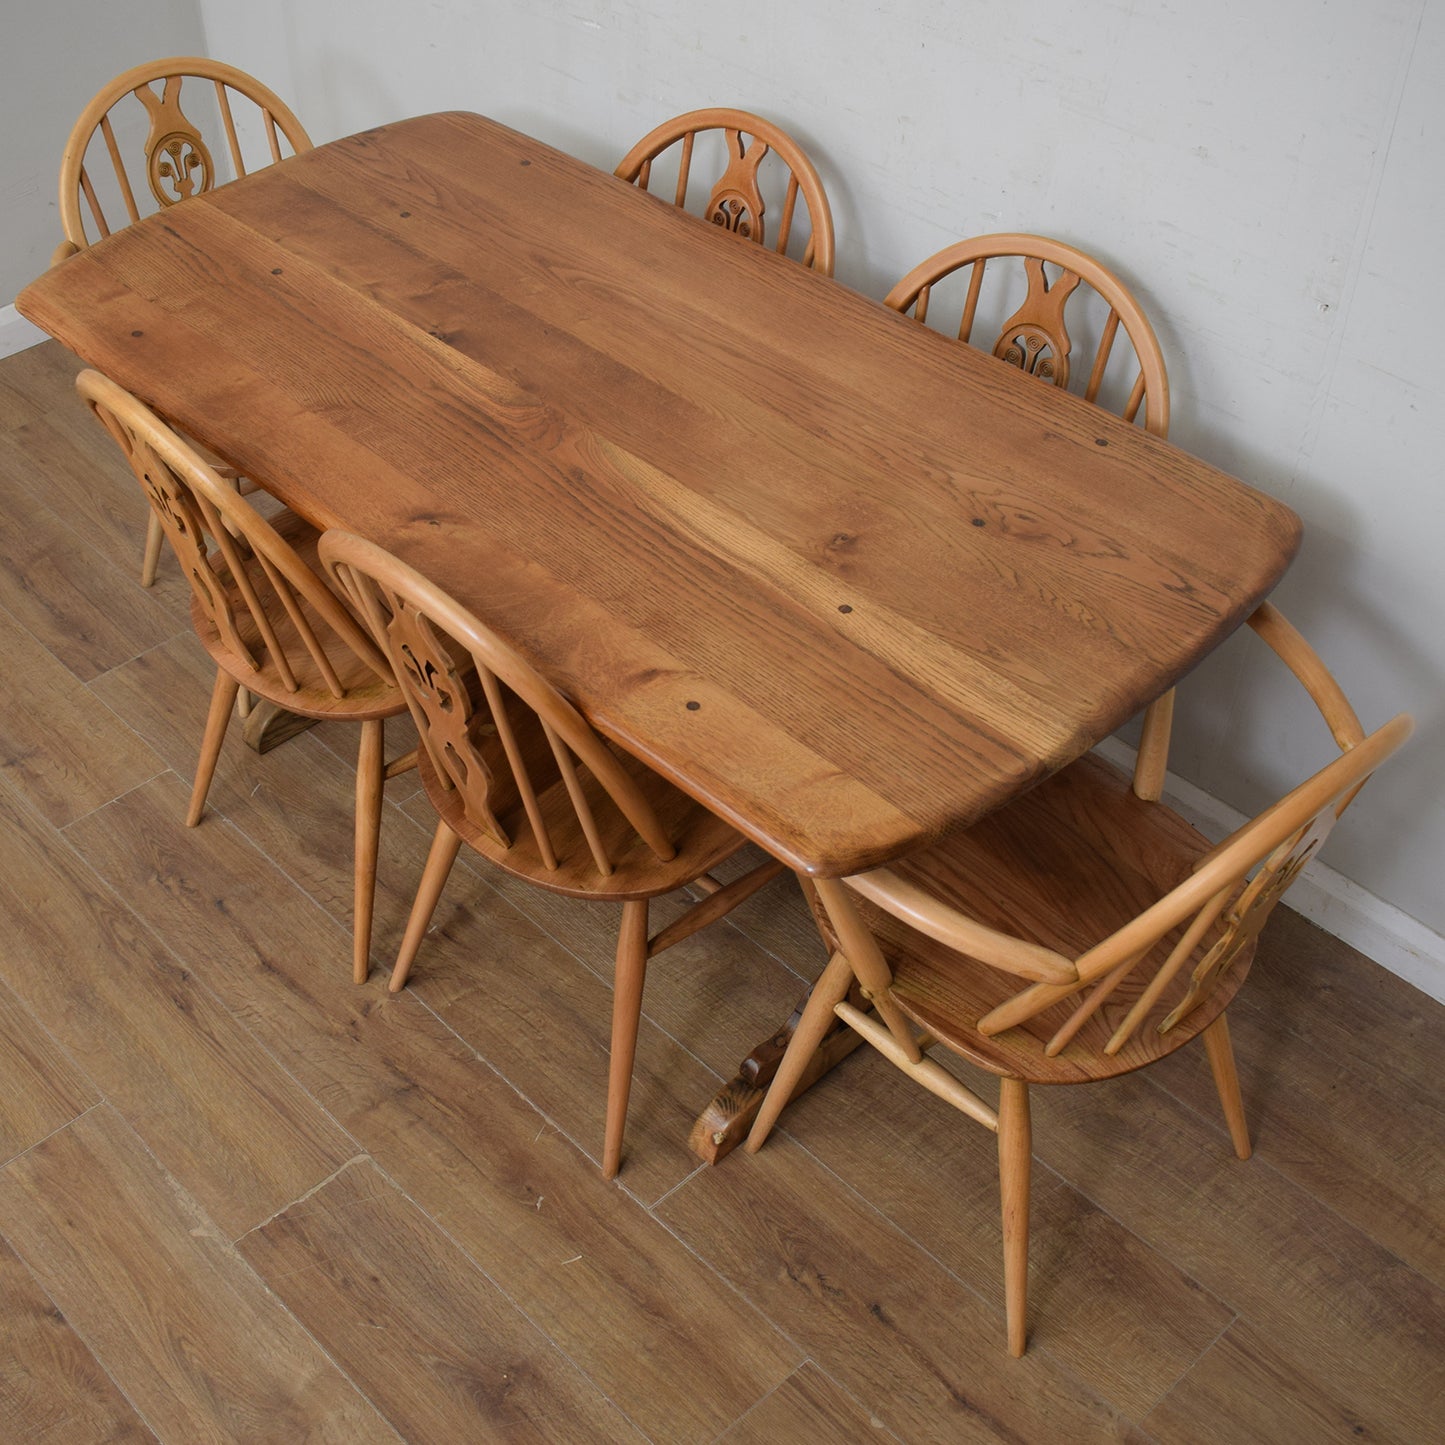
x=269, y=622
x=1035, y=339
x=175, y=161
x=514, y=770
x=736, y=202
x=1175, y=966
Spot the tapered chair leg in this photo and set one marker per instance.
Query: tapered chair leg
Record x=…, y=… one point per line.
x=370, y=777
x=223, y=697
x=445, y=846
x=1226, y=1084
x=1015, y=1157
x=150, y=561
x=817, y=1018
x=627, y=984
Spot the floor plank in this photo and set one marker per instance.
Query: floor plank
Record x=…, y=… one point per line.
x=52, y=1389
x=215, y=1108
x=808, y=1406
x=1243, y=1389
x=1333, y=1301
x=88, y=482
x=43, y=1088
x=1366, y=1141
x=880, y=1316
x=213, y=1356
x=439, y=1349
x=1120, y=1314
x=89, y=614
x=601, y=1277
x=60, y=751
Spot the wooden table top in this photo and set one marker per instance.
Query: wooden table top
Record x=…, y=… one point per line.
x=841, y=578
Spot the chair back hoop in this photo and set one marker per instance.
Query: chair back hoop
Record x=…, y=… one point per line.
x=234, y=560
x=475, y=738
x=173, y=159
x=1035, y=337
x=736, y=202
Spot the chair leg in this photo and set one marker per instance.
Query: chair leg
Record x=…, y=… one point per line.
x=626, y=1015
x=1015, y=1156
x=223, y=696
x=370, y=776
x=1226, y=1083
x=445, y=846
x=817, y=1019
x=155, y=539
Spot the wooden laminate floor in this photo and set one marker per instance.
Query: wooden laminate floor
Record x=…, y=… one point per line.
x=243, y=1199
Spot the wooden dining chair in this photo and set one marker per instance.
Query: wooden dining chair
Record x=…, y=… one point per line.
x=736, y=144
x=157, y=134
x=1037, y=285
x=515, y=771
x=1079, y=933
x=262, y=611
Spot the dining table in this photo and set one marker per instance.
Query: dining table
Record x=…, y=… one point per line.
x=845, y=581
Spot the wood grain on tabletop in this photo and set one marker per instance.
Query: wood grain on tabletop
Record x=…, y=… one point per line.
x=899, y=581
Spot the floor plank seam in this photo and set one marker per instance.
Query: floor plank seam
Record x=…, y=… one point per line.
x=727, y=1284
x=1209, y=1349
x=144, y=652
x=109, y=803
x=164, y=950
x=100, y=1103
x=547, y=1120
x=303, y=1197
x=239, y=1260
x=320, y=1346
x=881, y=1430
x=698, y=1168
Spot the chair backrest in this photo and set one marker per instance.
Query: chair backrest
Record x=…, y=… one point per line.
x=501, y=737
x=736, y=201
x=142, y=141
x=1033, y=334
x=273, y=614
x=1206, y=923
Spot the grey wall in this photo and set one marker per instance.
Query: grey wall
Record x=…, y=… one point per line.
x=55, y=55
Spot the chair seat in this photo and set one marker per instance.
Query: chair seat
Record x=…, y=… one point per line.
x=702, y=840
x=367, y=694
x=1064, y=866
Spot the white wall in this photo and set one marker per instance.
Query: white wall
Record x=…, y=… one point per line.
x=1265, y=173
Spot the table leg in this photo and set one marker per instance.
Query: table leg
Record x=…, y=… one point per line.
x=729, y=1116
x=268, y=724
